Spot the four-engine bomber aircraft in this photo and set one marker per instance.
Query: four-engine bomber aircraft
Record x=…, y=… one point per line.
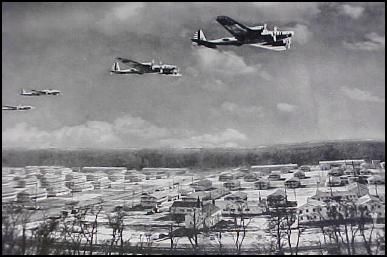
x=17, y=108
x=34, y=92
x=258, y=36
x=146, y=67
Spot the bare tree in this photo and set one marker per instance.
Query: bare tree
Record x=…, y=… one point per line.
x=241, y=222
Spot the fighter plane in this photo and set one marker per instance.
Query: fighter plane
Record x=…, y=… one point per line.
x=258, y=36
x=34, y=92
x=134, y=67
x=17, y=108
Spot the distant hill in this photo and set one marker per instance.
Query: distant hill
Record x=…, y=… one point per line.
x=306, y=153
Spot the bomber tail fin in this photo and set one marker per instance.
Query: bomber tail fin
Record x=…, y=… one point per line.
x=200, y=39
x=115, y=67
x=199, y=36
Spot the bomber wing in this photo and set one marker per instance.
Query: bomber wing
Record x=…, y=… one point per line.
x=139, y=67
x=238, y=30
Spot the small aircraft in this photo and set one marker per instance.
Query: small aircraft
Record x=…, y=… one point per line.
x=146, y=67
x=258, y=36
x=34, y=92
x=17, y=108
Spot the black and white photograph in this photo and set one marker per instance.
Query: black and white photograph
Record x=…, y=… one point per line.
x=193, y=128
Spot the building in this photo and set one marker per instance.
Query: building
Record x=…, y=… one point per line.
x=8, y=194
x=262, y=184
x=236, y=197
x=268, y=168
x=277, y=198
x=275, y=175
x=336, y=171
x=33, y=195
x=98, y=180
x=376, y=179
x=226, y=177
x=183, y=207
x=372, y=204
x=252, y=177
x=205, y=217
x=28, y=182
x=327, y=165
x=299, y=174
x=77, y=182
x=305, y=168
x=344, y=180
x=334, y=181
x=134, y=177
x=293, y=182
x=54, y=184
x=202, y=185
x=350, y=192
x=312, y=211
x=153, y=200
x=232, y=185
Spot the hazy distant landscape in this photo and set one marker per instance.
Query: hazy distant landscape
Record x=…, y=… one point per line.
x=306, y=153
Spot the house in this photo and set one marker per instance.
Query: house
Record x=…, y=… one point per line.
x=31, y=194
x=183, y=207
x=269, y=168
x=305, y=168
x=152, y=200
x=312, y=211
x=293, y=182
x=344, y=179
x=371, y=204
x=376, y=180
x=333, y=181
x=8, y=194
x=202, y=185
x=327, y=165
x=232, y=185
x=262, y=184
x=275, y=175
x=277, y=198
x=236, y=197
x=299, y=174
x=252, y=177
x=226, y=177
x=205, y=217
x=337, y=171
x=350, y=192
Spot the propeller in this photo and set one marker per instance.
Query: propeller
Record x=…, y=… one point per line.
x=275, y=31
x=288, y=42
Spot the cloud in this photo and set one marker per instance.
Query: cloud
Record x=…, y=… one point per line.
x=126, y=131
x=227, y=63
x=285, y=107
x=361, y=95
x=223, y=62
x=354, y=12
x=227, y=138
x=374, y=42
x=302, y=34
x=242, y=111
x=288, y=11
x=214, y=85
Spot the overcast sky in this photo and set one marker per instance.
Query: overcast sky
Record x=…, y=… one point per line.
x=330, y=85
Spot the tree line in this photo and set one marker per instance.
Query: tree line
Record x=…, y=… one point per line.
x=203, y=158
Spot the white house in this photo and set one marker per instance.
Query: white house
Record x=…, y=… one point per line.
x=205, y=217
x=312, y=210
x=232, y=185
